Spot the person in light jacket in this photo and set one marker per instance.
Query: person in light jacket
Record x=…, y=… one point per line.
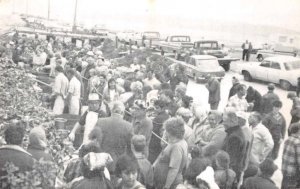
x=262, y=143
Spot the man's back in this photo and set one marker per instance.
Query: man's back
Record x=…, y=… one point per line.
x=116, y=135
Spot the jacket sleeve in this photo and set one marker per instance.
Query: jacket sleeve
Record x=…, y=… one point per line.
x=269, y=143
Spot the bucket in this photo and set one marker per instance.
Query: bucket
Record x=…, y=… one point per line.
x=60, y=123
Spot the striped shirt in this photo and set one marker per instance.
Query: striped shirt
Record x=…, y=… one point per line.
x=291, y=156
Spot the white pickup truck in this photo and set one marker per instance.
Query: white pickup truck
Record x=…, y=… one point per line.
x=282, y=70
x=176, y=44
x=146, y=39
x=275, y=50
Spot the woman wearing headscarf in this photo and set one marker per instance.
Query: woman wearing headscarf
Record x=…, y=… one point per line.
x=212, y=133
x=172, y=160
x=37, y=144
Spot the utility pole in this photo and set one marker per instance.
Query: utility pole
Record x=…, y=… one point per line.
x=75, y=15
x=48, y=9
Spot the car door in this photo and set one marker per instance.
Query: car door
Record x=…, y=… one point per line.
x=261, y=72
x=274, y=72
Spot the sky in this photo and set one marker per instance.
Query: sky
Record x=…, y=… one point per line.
x=282, y=13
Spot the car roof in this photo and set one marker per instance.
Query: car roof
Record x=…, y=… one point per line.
x=203, y=57
x=282, y=58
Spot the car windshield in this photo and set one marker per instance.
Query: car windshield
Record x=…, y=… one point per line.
x=208, y=45
x=294, y=65
x=207, y=63
x=151, y=34
x=181, y=39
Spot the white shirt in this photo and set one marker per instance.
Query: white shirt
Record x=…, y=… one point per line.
x=246, y=46
x=75, y=87
x=240, y=104
x=61, y=84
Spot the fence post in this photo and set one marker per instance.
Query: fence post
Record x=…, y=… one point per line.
x=150, y=43
x=130, y=48
x=117, y=41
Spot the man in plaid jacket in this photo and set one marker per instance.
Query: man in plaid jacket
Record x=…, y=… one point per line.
x=291, y=160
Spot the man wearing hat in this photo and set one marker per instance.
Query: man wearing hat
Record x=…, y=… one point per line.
x=263, y=180
x=268, y=99
x=60, y=90
x=295, y=111
x=142, y=125
x=291, y=160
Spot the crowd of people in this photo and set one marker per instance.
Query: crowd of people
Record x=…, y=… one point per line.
x=136, y=131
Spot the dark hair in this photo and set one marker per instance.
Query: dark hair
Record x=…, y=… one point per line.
x=70, y=72
x=14, y=134
x=267, y=167
x=126, y=163
x=175, y=127
x=195, y=167
x=196, y=151
x=277, y=104
x=160, y=103
x=89, y=147
x=87, y=173
x=165, y=86
x=59, y=69
x=96, y=134
x=111, y=80
x=240, y=87
x=187, y=100
x=169, y=93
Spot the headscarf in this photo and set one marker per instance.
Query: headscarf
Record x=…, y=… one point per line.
x=37, y=138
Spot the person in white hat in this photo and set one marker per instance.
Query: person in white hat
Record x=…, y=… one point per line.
x=88, y=120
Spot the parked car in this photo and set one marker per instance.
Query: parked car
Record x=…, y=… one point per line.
x=282, y=70
x=211, y=47
x=199, y=66
x=144, y=38
x=276, y=50
x=176, y=44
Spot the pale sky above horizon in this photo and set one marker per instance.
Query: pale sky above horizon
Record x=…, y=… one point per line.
x=282, y=13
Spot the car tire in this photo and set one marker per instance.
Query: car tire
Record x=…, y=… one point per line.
x=226, y=67
x=247, y=76
x=260, y=58
x=285, y=85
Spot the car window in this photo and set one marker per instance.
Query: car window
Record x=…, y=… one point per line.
x=265, y=64
x=294, y=65
x=275, y=65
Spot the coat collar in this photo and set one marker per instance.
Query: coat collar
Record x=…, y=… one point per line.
x=15, y=147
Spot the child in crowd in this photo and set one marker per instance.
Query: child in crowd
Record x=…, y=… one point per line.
x=127, y=169
x=224, y=176
x=146, y=171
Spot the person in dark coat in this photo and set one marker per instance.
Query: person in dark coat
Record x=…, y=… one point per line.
x=13, y=153
x=160, y=118
x=179, y=76
x=116, y=133
x=268, y=99
x=235, y=143
x=234, y=89
x=253, y=96
x=298, y=87
x=262, y=181
x=295, y=111
x=276, y=124
x=37, y=144
x=213, y=87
